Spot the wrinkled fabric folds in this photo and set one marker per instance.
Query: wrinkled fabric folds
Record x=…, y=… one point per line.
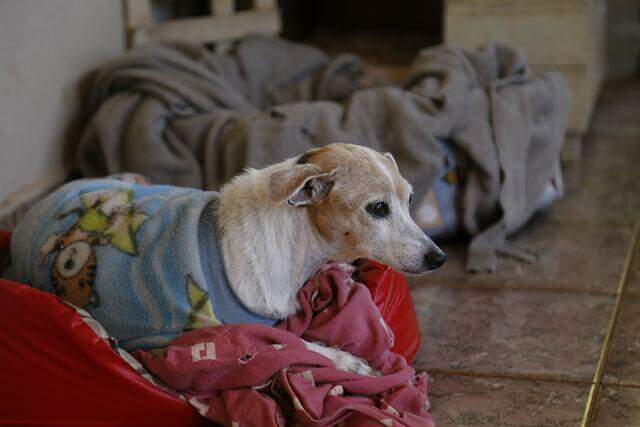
x=258, y=375
x=184, y=115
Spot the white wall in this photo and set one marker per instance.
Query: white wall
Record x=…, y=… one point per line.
x=46, y=47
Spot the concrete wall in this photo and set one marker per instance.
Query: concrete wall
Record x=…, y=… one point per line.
x=46, y=47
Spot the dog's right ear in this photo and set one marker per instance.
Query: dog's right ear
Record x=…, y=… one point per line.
x=302, y=185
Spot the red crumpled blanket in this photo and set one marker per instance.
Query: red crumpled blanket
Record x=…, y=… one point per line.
x=249, y=375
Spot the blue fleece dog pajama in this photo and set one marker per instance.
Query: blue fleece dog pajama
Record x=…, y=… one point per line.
x=143, y=260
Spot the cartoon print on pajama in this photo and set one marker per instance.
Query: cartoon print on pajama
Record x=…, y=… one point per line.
x=107, y=217
x=201, y=314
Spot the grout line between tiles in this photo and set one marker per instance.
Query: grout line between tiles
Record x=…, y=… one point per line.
x=619, y=224
x=613, y=135
x=526, y=377
x=452, y=284
x=514, y=376
x=606, y=347
x=619, y=384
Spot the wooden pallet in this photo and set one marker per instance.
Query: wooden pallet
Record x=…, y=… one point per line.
x=223, y=23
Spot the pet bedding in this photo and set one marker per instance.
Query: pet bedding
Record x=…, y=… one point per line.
x=256, y=375
x=60, y=368
x=63, y=368
x=185, y=115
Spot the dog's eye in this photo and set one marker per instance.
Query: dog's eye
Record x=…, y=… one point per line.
x=410, y=198
x=378, y=209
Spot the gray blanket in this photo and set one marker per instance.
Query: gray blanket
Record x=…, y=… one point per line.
x=189, y=116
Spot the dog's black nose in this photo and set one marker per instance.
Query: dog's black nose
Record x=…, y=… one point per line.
x=434, y=258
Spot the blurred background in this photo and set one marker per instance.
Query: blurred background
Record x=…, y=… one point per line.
x=49, y=47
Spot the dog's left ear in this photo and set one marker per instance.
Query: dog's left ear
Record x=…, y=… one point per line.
x=391, y=160
x=303, y=185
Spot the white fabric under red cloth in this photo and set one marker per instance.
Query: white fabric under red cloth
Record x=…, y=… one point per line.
x=247, y=375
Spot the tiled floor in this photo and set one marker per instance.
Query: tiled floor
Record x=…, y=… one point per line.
x=557, y=342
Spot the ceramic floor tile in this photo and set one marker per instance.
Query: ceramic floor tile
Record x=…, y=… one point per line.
x=604, y=188
x=633, y=284
x=611, y=198
x=623, y=365
x=617, y=407
x=543, y=334
x=465, y=401
x=610, y=156
x=570, y=256
x=617, y=112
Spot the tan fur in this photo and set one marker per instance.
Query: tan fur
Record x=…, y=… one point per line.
x=365, y=173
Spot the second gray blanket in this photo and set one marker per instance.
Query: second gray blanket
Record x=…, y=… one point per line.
x=184, y=115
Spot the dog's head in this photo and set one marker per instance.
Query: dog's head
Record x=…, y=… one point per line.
x=359, y=204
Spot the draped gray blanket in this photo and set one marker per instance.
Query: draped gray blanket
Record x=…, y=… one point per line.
x=184, y=115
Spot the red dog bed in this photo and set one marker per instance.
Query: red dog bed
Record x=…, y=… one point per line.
x=56, y=371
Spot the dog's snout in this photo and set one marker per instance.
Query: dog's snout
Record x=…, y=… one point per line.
x=434, y=258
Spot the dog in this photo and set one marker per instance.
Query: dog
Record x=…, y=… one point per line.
x=268, y=230
x=340, y=202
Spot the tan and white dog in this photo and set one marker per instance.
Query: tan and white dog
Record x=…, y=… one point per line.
x=117, y=248
x=339, y=202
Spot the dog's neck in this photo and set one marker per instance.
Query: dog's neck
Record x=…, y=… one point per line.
x=269, y=249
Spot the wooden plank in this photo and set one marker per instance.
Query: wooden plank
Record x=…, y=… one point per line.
x=264, y=4
x=138, y=12
x=566, y=36
x=210, y=28
x=545, y=35
x=497, y=5
x=598, y=30
x=222, y=7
